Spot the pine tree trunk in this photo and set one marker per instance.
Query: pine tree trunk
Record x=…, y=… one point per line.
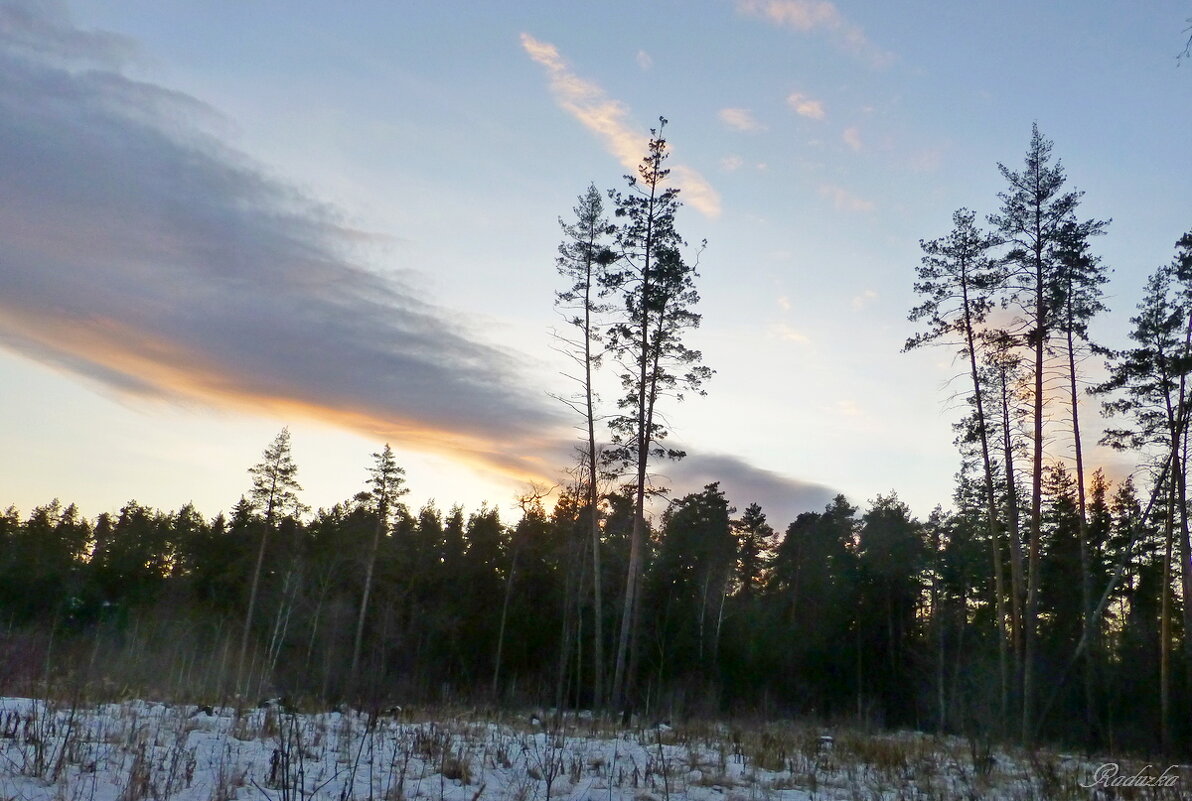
x=1086, y=576
x=644, y=422
x=282, y=623
x=572, y=590
x=720, y=623
x=999, y=581
x=627, y=607
x=1165, y=627
x=597, y=613
x=703, y=614
x=1180, y=469
x=504, y=619
x=937, y=614
x=314, y=625
x=241, y=687
x=593, y=499
x=653, y=353
x=354, y=674
x=1012, y=531
x=248, y=614
x=1033, y=566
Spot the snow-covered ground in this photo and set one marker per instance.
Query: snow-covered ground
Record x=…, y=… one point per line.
x=141, y=750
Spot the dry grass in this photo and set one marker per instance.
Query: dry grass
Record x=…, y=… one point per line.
x=135, y=751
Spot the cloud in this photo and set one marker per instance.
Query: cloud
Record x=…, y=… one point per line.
x=740, y=119
x=786, y=332
x=609, y=120
x=844, y=200
x=43, y=29
x=731, y=163
x=781, y=497
x=139, y=251
x=806, y=16
x=852, y=138
x=805, y=106
x=643, y=60
x=864, y=299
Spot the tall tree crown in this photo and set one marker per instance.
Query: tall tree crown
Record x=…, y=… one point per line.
x=956, y=278
x=275, y=484
x=657, y=289
x=386, y=482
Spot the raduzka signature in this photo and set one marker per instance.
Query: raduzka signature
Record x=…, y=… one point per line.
x=1110, y=775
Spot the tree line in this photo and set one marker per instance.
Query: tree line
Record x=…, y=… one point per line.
x=1046, y=602
x=847, y=613
x=1015, y=299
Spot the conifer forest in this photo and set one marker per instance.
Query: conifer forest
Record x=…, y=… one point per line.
x=736, y=400
x=1042, y=602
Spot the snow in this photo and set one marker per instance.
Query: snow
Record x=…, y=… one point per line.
x=144, y=750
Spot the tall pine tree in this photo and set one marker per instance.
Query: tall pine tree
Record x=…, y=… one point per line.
x=657, y=288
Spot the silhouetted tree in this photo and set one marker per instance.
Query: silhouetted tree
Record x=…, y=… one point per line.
x=274, y=493
x=1038, y=222
x=657, y=287
x=385, y=480
x=957, y=281
x=584, y=259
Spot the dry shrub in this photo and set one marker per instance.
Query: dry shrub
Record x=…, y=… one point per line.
x=457, y=768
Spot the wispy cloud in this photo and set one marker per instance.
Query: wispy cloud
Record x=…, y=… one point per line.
x=844, y=200
x=731, y=163
x=786, y=333
x=609, y=120
x=43, y=30
x=644, y=60
x=138, y=250
x=852, y=138
x=740, y=119
x=864, y=299
x=806, y=106
x=808, y=16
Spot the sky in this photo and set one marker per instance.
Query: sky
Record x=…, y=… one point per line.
x=218, y=219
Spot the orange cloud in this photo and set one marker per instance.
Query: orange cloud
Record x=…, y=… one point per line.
x=123, y=356
x=608, y=119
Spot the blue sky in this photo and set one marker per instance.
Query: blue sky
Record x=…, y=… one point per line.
x=220, y=218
